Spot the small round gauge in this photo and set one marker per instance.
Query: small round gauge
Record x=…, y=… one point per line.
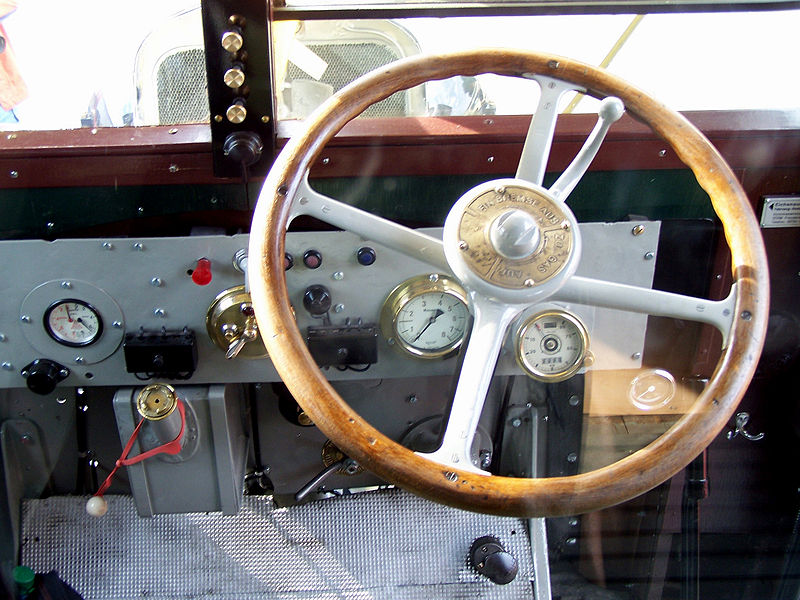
x=426, y=316
x=552, y=345
x=73, y=323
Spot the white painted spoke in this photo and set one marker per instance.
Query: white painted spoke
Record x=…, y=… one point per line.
x=611, y=109
x=413, y=243
x=536, y=151
x=483, y=348
x=583, y=290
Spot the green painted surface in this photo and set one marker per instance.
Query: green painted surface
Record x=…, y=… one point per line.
x=416, y=201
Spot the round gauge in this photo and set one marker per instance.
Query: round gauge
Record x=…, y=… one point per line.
x=552, y=345
x=426, y=316
x=73, y=323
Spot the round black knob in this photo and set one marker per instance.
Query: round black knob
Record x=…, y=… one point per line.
x=490, y=559
x=42, y=375
x=288, y=261
x=317, y=300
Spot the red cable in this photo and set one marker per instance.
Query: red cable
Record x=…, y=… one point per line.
x=173, y=447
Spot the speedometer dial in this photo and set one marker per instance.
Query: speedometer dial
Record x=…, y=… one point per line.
x=426, y=316
x=552, y=345
x=73, y=323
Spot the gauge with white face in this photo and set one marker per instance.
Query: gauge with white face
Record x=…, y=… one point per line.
x=426, y=316
x=73, y=323
x=552, y=345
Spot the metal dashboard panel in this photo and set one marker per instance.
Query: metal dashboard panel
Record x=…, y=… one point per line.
x=146, y=282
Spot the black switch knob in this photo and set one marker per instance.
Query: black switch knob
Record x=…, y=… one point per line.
x=42, y=375
x=490, y=559
x=312, y=259
x=317, y=300
x=366, y=256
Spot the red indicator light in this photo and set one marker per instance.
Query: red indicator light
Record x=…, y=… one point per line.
x=202, y=272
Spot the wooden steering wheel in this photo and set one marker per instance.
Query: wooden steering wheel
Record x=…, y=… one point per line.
x=537, y=233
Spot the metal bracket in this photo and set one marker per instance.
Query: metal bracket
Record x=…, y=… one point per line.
x=238, y=70
x=742, y=419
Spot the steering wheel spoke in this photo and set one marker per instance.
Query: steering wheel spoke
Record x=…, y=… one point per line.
x=413, y=243
x=583, y=290
x=536, y=150
x=491, y=319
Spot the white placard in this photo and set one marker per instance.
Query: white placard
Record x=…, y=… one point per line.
x=781, y=211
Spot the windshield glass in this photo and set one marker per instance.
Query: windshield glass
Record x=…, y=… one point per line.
x=146, y=67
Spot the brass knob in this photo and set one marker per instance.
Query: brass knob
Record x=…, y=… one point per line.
x=236, y=112
x=234, y=78
x=232, y=41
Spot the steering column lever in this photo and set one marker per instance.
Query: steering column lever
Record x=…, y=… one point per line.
x=611, y=109
x=346, y=465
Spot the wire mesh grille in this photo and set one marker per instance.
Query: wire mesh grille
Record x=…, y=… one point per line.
x=182, y=88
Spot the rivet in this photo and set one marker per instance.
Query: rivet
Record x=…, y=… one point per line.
x=338, y=308
x=574, y=400
x=662, y=153
x=565, y=225
x=138, y=246
x=746, y=315
x=462, y=245
x=412, y=399
x=156, y=282
x=66, y=285
x=516, y=422
x=326, y=160
x=649, y=255
x=25, y=319
x=571, y=541
x=173, y=168
x=572, y=457
x=107, y=246
x=79, y=360
x=7, y=366
x=140, y=210
x=50, y=225
x=433, y=277
x=338, y=276
x=529, y=283
x=160, y=312
x=173, y=131
x=490, y=159
x=13, y=174
x=636, y=355
x=117, y=324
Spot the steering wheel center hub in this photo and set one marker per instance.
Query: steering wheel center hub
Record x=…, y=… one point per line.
x=515, y=235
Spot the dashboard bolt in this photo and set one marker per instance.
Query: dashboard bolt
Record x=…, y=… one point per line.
x=107, y=246
x=572, y=457
x=462, y=245
x=13, y=174
x=338, y=308
x=66, y=285
x=117, y=324
x=61, y=399
x=574, y=400
x=529, y=283
x=160, y=312
x=565, y=225
x=156, y=282
x=338, y=276
x=636, y=355
x=433, y=277
x=138, y=246
x=571, y=541
x=650, y=256
x=2, y=337
x=516, y=422
x=412, y=399
x=79, y=360
x=25, y=319
x=638, y=230
x=7, y=366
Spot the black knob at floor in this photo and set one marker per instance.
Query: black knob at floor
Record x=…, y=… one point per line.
x=489, y=557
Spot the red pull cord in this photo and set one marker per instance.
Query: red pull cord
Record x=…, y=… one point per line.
x=173, y=447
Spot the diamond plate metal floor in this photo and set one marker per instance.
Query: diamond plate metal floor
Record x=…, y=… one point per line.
x=377, y=545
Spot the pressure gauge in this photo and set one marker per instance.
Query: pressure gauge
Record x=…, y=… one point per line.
x=73, y=322
x=552, y=345
x=426, y=316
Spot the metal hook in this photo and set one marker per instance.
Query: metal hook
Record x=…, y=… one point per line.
x=742, y=419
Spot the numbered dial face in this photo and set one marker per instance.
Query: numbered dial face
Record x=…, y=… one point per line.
x=552, y=346
x=73, y=323
x=426, y=317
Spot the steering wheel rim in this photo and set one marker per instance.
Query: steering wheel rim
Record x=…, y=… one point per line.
x=540, y=497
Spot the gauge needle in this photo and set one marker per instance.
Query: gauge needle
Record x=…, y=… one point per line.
x=439, y=312
x=69, y=315
x=84, y=324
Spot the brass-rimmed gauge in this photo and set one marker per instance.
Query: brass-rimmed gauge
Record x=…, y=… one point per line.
x=426, y=316
x=73, y=322
x=552, y=345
